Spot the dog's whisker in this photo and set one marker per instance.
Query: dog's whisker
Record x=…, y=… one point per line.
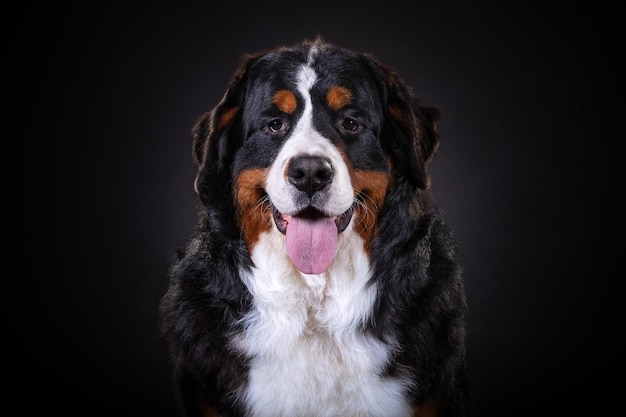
x=374, y=204
x=366, y=217
x=264, y=208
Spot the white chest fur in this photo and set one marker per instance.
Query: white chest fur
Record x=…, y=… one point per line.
x=308, y=356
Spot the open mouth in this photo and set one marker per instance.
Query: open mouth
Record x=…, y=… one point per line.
x=312, y=214
x=311, y=237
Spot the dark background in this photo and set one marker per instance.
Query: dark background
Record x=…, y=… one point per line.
x=106, y=94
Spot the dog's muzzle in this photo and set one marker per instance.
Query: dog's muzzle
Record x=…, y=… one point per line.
x=311, y=235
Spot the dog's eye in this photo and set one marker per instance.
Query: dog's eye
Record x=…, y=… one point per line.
x=349, y=124
x=276, y=125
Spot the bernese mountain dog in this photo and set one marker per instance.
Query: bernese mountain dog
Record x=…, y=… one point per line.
x=321, y=279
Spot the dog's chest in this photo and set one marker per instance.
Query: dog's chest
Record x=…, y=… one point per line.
x=308, y=355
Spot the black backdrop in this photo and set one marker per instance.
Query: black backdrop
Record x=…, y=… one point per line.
x=107, y=94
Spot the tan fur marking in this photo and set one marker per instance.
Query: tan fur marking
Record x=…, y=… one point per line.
x=370, y=190
x=427, y=409
x=286, y=101
x=397, y=115
x=337, y=97
x=208, y=410
x=255, y=215
x=226, y=117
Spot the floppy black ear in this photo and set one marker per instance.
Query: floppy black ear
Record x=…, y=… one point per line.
x=216, y=136
x=410, y=134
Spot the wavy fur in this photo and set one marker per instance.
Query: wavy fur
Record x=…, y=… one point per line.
x=381, y=332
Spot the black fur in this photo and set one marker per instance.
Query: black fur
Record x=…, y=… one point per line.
x=414, y=256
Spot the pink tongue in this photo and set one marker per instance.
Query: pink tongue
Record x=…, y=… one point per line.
x=312, y=244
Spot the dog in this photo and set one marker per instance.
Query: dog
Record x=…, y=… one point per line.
x=321, y=278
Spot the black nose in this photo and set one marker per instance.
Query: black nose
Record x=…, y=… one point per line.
x=310, y=173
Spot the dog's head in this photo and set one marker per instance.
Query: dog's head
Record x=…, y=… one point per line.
x=308, y=141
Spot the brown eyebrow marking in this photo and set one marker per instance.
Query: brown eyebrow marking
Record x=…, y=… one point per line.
x=337, y=97
x=285, y=100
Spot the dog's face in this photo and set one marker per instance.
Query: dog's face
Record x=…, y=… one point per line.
x=309, y=142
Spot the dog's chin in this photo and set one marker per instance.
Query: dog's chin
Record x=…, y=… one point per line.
x=282, y=220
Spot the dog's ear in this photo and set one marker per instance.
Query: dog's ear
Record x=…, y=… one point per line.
x=217, y=134
x=410, y=135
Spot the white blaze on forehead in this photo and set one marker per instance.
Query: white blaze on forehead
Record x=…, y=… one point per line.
x=306, y=79
x=312, y=53
x=306, y=140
